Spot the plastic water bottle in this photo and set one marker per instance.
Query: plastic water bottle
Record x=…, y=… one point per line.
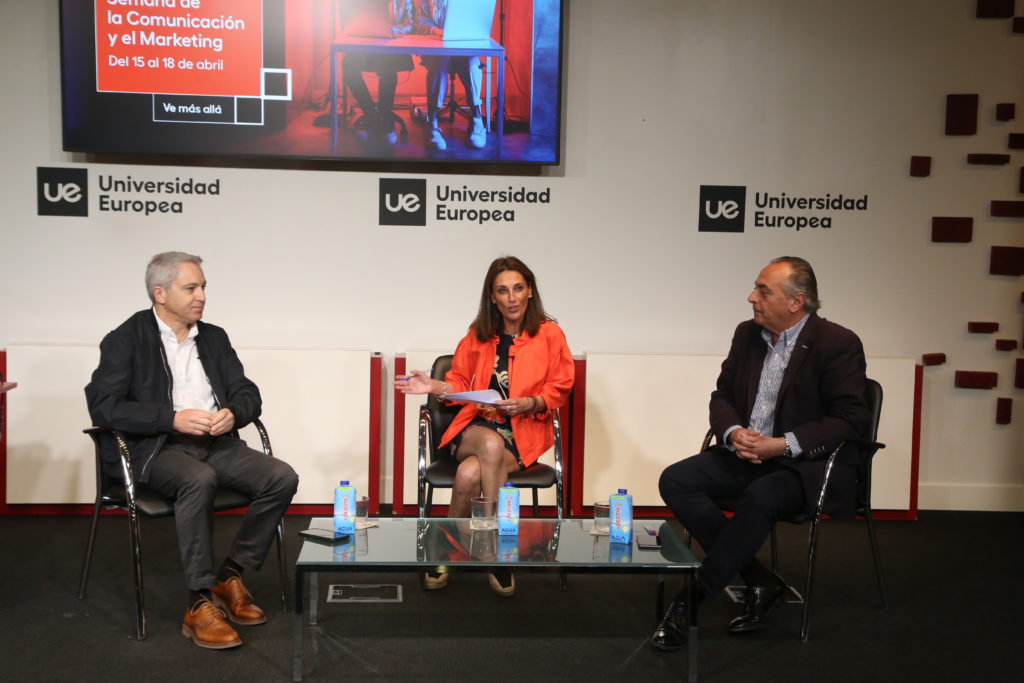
x=620, y=517
x=508, y=510
x=344, y=508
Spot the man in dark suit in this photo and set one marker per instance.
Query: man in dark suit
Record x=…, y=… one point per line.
x=173, y=385
x=790, y=391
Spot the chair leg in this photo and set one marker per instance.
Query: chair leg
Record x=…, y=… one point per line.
x=135, y=538
x=812, y=545
x=878, y=559
x=282, y=566
x=87, y=562
x=430, y=501
x=536, y=503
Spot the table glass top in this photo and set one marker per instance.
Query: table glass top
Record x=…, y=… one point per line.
x=540, y=543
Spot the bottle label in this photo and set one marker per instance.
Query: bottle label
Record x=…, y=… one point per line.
x=345, y=510
x=620, y=513
x=508, y=511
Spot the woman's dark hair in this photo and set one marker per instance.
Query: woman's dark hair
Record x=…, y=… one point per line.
x=488, y=319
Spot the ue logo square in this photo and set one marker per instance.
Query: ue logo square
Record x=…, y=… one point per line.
x=722, y=208
x=62, y=191
x=403, y=201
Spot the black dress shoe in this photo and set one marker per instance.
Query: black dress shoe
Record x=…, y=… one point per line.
x=671, y=632
x=759, y=601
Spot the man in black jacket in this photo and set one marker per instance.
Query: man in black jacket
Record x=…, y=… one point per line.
x=790, y=391
x=175, y=388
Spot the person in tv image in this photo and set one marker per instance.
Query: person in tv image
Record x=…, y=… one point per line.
x=173, y=385
x=790, y=390
x=430, y=18
x=378, y=118
x=515, y=348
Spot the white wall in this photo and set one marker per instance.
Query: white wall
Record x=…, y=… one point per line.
x=797, y=96
x=49, y=460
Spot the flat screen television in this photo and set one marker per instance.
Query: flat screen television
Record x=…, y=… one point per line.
x=314, y=79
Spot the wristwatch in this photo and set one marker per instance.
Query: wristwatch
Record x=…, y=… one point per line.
x=788, y=453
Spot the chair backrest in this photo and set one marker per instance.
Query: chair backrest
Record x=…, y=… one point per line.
x=441, y=414
x=109, y=478
x=873, y=397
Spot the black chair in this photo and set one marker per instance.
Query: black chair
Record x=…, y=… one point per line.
x=437, y=467
x=866, y=447
x=120, y=490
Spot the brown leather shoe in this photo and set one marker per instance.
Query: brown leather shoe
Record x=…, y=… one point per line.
x=205, y=625
x=233, y=597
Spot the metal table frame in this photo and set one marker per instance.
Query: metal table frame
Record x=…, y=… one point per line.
x=423, y=45
x=363, y=566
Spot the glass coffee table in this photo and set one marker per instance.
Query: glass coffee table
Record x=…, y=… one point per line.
x=420, y=545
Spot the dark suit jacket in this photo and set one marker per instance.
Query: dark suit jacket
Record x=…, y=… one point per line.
x=130, y=390
x=821, y=400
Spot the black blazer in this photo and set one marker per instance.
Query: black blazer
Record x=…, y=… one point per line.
x=130, y=391
x=821, y=400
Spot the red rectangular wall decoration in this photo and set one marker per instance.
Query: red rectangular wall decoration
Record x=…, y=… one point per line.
x=1018, y=380
x=961, y=114
x=952, y=228
x=994, y=9
x=1020, y=186
x=1004, y=411
x=988, y=159
x=982, y=328
x=1006, y=111
x=1015, y=141
x=975, y=379
x=1018, y=24
x=920, y=167
x=1006, y=344
x=933, y=358
x=1007, y=209
x=1006, y=261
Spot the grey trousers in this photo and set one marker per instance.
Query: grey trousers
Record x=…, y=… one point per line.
x=189, y=470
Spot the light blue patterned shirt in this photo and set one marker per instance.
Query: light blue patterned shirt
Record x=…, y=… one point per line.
x=762, y=416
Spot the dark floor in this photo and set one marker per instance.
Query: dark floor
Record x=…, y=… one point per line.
x=955, y=615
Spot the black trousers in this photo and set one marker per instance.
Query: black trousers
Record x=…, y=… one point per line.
x=189, y=470
x=762, y=493
x=386, y=67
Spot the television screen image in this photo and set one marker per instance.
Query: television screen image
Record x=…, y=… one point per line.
x=461, y=81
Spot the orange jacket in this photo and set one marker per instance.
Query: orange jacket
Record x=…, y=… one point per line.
x=538, y=366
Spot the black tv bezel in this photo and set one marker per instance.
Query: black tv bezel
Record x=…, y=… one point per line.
x=221, y=159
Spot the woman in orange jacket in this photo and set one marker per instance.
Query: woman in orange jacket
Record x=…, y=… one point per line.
x=517, y=349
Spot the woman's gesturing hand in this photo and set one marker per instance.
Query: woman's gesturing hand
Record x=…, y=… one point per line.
x=416, y=382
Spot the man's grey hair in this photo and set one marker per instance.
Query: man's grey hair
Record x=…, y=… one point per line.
x=163, y=269
x=801, y=280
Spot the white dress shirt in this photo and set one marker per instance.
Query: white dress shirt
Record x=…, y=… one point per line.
x=190, y=388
